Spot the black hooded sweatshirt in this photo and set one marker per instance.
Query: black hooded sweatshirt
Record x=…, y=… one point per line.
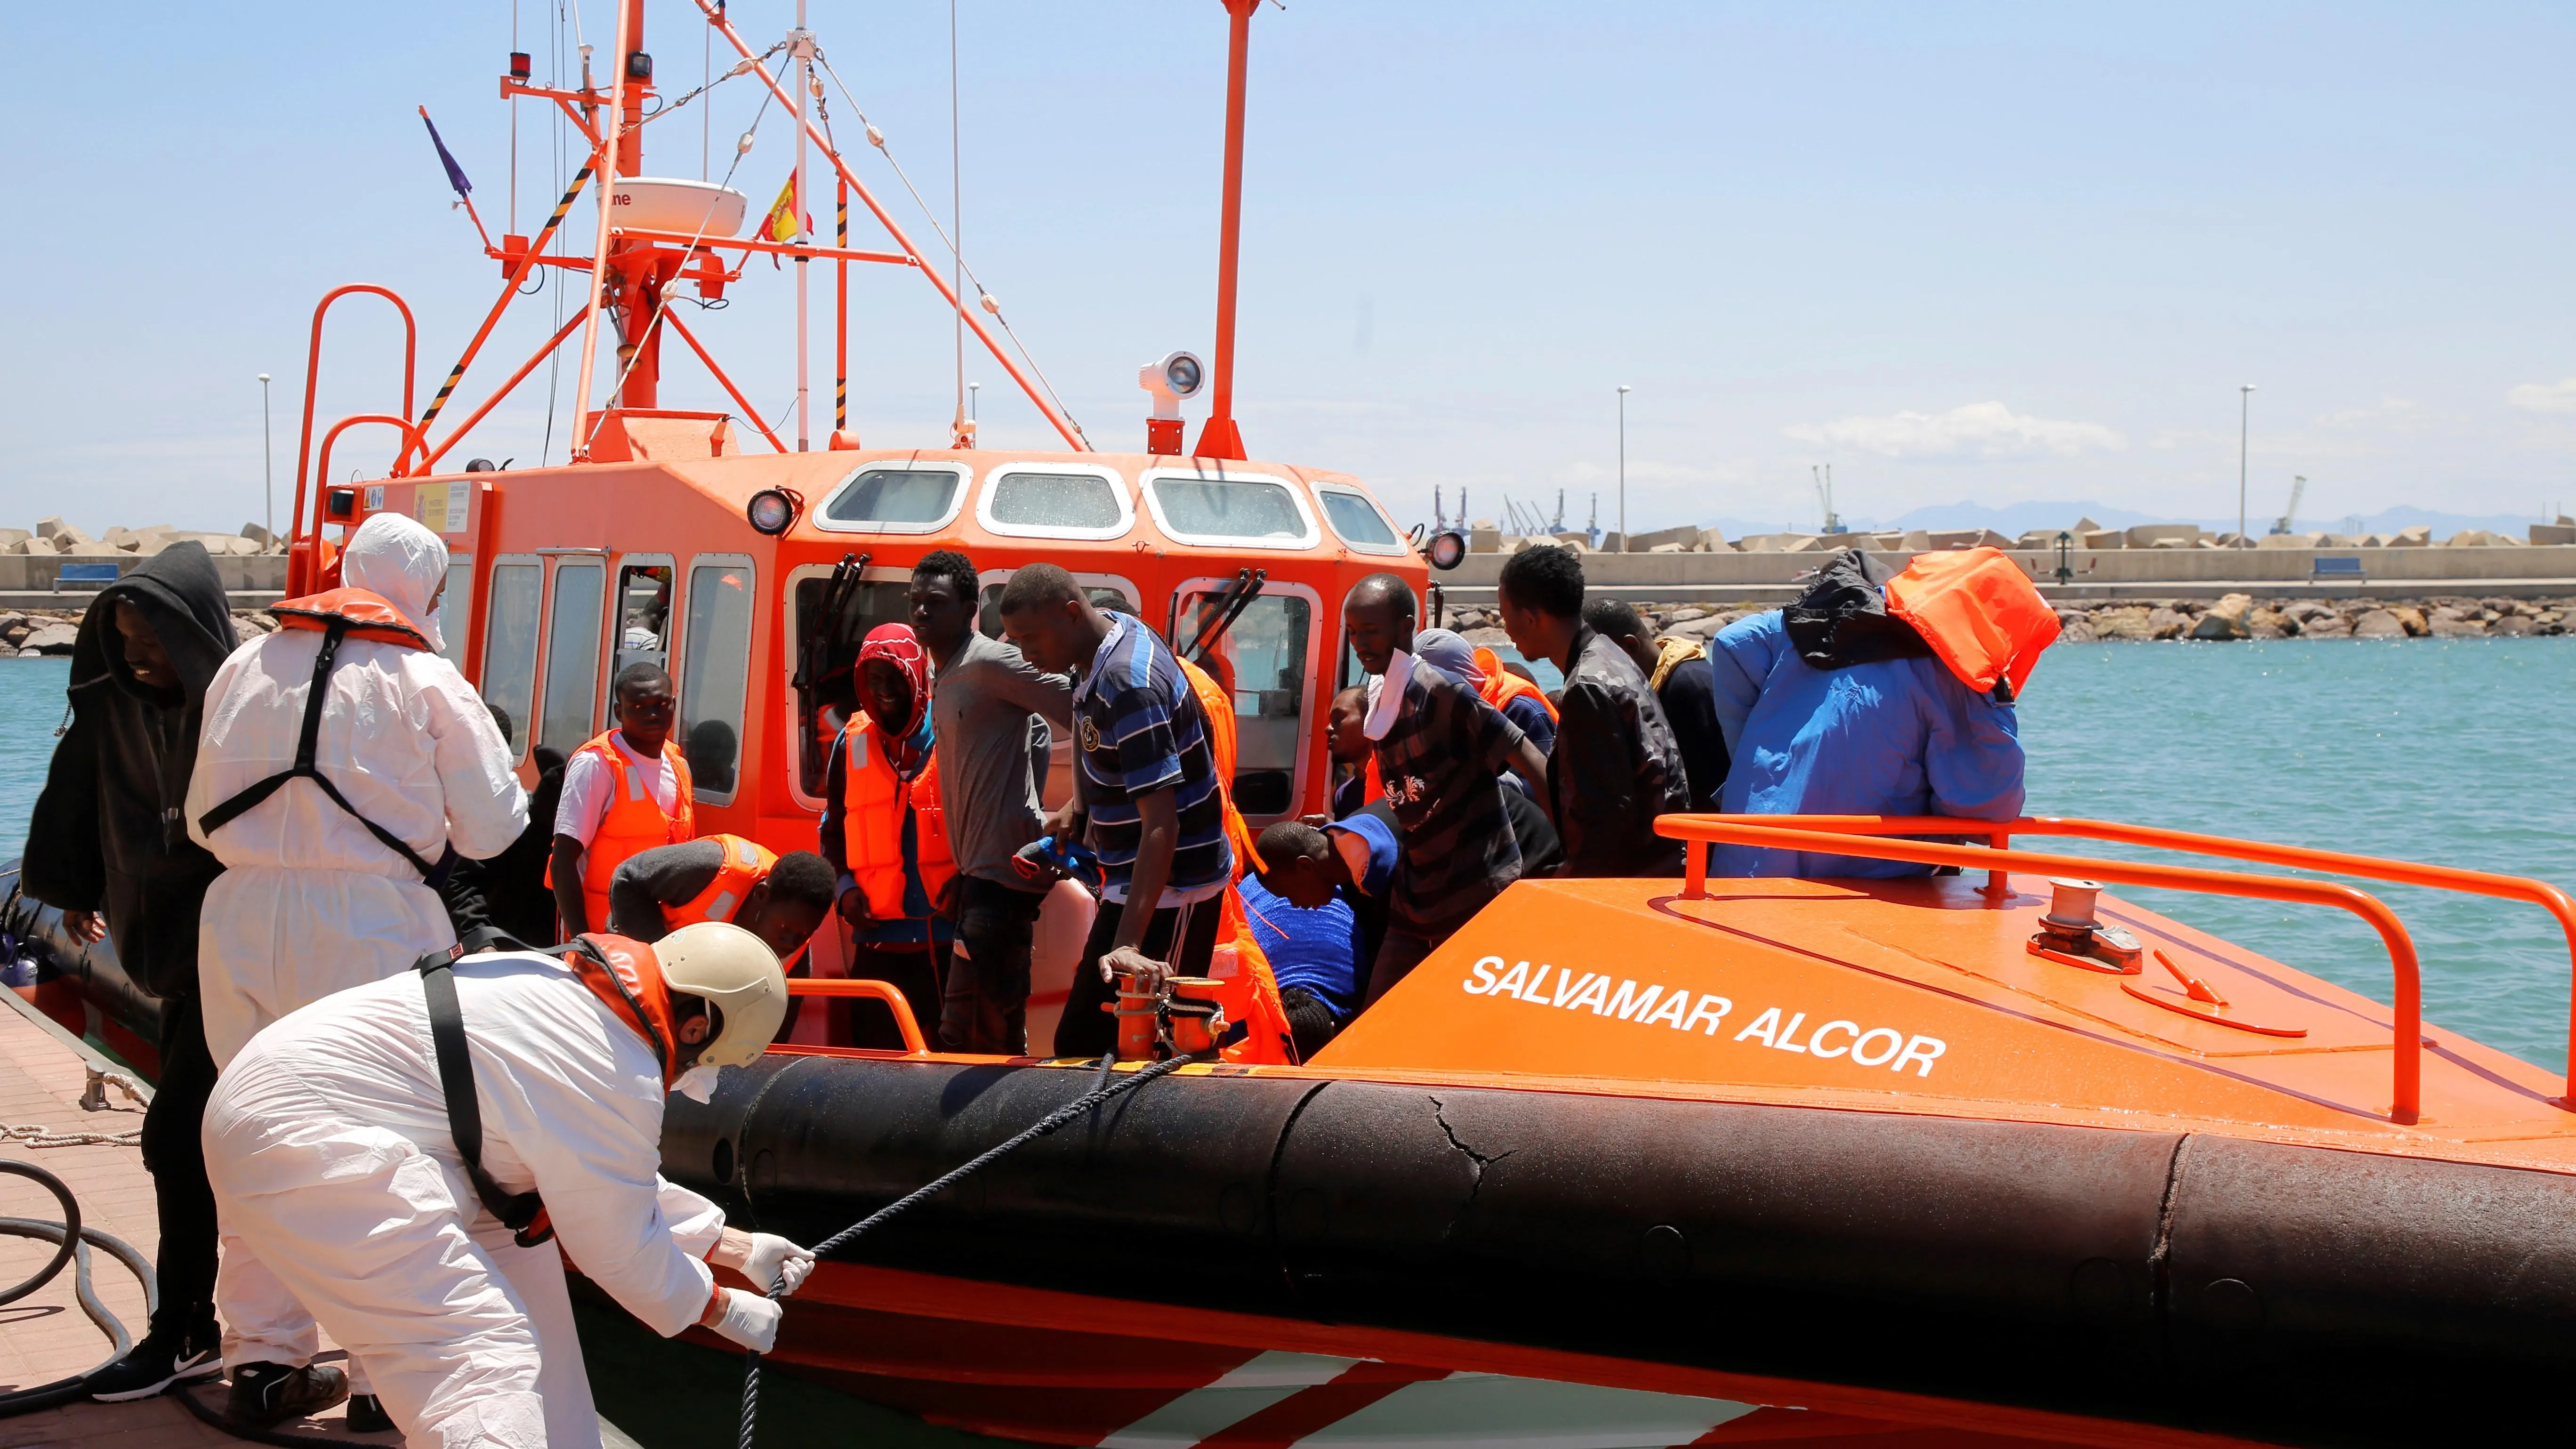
x=109, y=834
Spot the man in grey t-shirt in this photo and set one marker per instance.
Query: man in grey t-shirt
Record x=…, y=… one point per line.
x=989, y=713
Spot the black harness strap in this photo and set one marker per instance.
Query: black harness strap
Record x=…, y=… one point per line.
x=523, y=1213
x=304, y=769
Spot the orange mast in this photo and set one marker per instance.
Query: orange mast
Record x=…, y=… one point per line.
x=1220, y=438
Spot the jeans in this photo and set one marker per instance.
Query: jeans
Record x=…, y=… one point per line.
x=986, y=1005
x=176, y=1157
x=1088, y=1031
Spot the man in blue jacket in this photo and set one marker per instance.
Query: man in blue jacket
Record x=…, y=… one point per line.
x=1837, y=707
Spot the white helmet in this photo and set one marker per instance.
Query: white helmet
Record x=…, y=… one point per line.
x=735, y=970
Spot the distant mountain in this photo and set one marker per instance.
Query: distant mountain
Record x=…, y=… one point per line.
x=2014, y=520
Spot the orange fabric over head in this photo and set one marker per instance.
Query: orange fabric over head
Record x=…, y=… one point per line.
x=627, y=978
x=1982, y=616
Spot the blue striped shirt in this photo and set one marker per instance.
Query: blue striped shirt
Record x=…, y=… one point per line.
x=1137, y=729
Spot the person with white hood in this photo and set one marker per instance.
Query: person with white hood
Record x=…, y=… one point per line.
x=328, y=829
x=341, y=761
x=399, y=1152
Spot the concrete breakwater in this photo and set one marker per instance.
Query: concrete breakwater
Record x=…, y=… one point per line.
x=2230, y=617
x=51, y=631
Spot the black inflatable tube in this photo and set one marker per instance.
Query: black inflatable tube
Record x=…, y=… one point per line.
x=2289, y=1294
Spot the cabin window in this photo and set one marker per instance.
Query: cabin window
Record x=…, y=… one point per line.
x=572, y=655
x=988, y=617
x=832, y=620
x=1056, y=504
x=1262, y=661
x=643, y=617
x=898, y=500
x=1358, y=521
x=715, y=664
x=510, y=649
x=456, y=610
x=1261, y=512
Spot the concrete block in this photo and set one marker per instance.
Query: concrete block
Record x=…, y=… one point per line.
x=1652, y=542
x=1484, y=539
x=2420, y=536
x=257, y=534
x=1713, y=540
x=2148, y=535
x=2560, y=532
x=2102, y=538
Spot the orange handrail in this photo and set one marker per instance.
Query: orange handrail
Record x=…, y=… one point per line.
x=2334, y=862
x=2406, y=1091
x=879, y=990
x=313, y=375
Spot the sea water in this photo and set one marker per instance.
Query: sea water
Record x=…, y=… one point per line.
x=2449, y=751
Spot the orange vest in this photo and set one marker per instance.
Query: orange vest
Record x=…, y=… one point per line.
x=874, y=802
x=1251, y=993
x=1501, y=685
x=634, y=822
x=746, y=864
x=1982, y=616
x=366, y=615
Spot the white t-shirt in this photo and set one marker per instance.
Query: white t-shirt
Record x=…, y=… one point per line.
x=587, y=784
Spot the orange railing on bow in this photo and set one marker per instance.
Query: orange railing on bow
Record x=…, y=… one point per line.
x=877, y=990
x=2297, y=857
x=1855, y=835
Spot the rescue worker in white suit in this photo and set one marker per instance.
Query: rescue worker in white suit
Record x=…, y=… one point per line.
x=334, y=1149
x=341, y=759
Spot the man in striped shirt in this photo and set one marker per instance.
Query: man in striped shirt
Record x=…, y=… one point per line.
x=1145, y=778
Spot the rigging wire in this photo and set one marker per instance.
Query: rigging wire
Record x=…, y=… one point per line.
x=991, y=306
x=957, y=215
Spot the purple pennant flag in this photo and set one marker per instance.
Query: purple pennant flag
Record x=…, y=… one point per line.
x=455, y=173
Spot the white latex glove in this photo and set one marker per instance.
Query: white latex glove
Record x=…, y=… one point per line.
x=772, y=1259
x=749, y=1320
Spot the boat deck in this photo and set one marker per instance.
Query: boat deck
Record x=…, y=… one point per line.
x=45, y=1336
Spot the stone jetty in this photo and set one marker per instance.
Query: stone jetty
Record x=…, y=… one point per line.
x=2233, y=617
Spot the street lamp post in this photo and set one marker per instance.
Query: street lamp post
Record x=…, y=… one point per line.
x=1623, y=468
x=268, y=467
x=2244, y=416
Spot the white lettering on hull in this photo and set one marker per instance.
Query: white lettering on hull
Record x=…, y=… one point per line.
x=1777, y=1028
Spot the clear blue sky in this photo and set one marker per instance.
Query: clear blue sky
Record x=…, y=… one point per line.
x=1996, y=253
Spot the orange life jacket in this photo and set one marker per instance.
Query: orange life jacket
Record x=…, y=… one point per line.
x=1501, y=686
x=746, y=864
x=363, y=616
x=874, y=802
x=1251, y=993
x=634, y=822
x=1982, y=616
x=632, y=989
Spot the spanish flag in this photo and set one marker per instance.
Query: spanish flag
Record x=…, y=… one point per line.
x=780, y=225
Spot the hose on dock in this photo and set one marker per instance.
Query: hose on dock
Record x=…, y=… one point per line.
x=75, y=1240
x=1058, y=1118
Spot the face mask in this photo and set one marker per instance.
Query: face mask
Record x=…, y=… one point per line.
x=698, y=1083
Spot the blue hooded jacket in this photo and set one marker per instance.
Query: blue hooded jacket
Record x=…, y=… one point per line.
x=1894, y=737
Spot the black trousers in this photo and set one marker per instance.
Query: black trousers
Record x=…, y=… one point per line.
x=175, y=1154
x=1088, y=1031
x=985, y=1007
x=912, y=970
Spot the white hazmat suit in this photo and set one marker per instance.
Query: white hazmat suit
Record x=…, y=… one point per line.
x=309, y=903
x=329, y=1148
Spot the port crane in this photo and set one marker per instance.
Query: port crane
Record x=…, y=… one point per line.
x=1823, y=475
x=2290, y=515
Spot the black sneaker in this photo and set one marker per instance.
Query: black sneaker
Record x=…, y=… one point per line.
x=156, y=1363
x=266, y=1395
x=367, y=1415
